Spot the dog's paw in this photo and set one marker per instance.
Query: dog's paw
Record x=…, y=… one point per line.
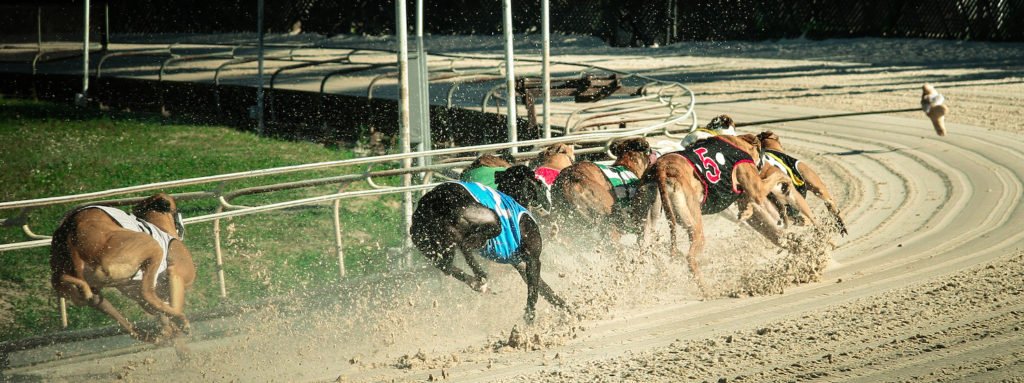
x=480, y=285
x=529, y=316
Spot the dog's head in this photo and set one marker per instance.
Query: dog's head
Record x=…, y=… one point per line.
x=557, y=156
x=490, y=160
x=157, y=209
x=769, y=140
x=632, y=144
x=721, y=122
x=520, y=183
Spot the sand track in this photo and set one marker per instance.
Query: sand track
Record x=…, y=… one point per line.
x=927, y=286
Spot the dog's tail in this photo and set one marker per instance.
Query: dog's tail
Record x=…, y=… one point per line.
x=662, y=179
x=60, y=254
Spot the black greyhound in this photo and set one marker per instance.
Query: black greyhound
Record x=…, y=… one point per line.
x=475, y=219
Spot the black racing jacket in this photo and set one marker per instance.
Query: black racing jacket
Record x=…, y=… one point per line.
x=713, y=160
x=787, y=164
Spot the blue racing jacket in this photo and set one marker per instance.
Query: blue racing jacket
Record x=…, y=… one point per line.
x=501, y=249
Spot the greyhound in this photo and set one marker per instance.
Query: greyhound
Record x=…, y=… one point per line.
x=593, y=193
x=552, y=160
x=801, y=174
x=707, y=177
x=472, y=218
x=96, y=247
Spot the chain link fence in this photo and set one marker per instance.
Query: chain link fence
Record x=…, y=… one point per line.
x=619, y=22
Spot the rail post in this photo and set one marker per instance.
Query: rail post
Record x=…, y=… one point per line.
x=546, y=64
x=220, y=254
x=259, y=70
x=510, y=75
x=337, y=237
x=82, y=97
x=63, y=312
x=403, y=118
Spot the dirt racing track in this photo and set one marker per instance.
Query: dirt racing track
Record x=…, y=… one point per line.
x=926, y=287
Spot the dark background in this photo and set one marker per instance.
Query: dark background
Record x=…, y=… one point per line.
x=624, y=22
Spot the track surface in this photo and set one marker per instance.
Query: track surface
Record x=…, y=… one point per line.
x=927, y=287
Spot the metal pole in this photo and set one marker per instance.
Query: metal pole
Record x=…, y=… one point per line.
x=338, y=246
x=546, y=64
x=259, y=70
x=423, y=88
x=63, y=313
x=675, y=21
x=39, y=28
x=510, y=75
x=668, y=25
x=403, y=115
x=106, y=25
x=220, y=255
x=85, y=55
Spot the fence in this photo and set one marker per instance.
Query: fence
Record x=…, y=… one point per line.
x=636, y=22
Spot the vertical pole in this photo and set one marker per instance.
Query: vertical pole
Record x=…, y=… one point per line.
x=63, y=313
x=39, y=28
x=337, y=237
x=546, y=63
x=403, y=115
x=510, y=74
x=422, y=88
x=668, y=18
x=259, y=69
x=85, y=55
x=220, y=255
x=105, y=41
x=675, y=21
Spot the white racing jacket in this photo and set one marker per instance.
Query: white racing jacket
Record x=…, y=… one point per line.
x=133, y=223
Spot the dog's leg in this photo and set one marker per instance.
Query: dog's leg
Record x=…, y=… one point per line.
x=692, y=220
x=105, y=307
x=817, y=186
x=181, y=271
x=529, y=251
x=793, y=198
x=646, y=208
x=149, y=289
x=445, y=262
x=479, y=281
x=471, y=260
x=764, y=224
x=134, y=292
x=84, y=291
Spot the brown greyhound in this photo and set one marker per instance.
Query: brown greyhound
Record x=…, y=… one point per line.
x=591, y=193
x=96, y=247
x=706, y=178
x=552, y=160
x=802, y=175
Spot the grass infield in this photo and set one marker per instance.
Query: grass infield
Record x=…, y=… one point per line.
x=49, y=149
